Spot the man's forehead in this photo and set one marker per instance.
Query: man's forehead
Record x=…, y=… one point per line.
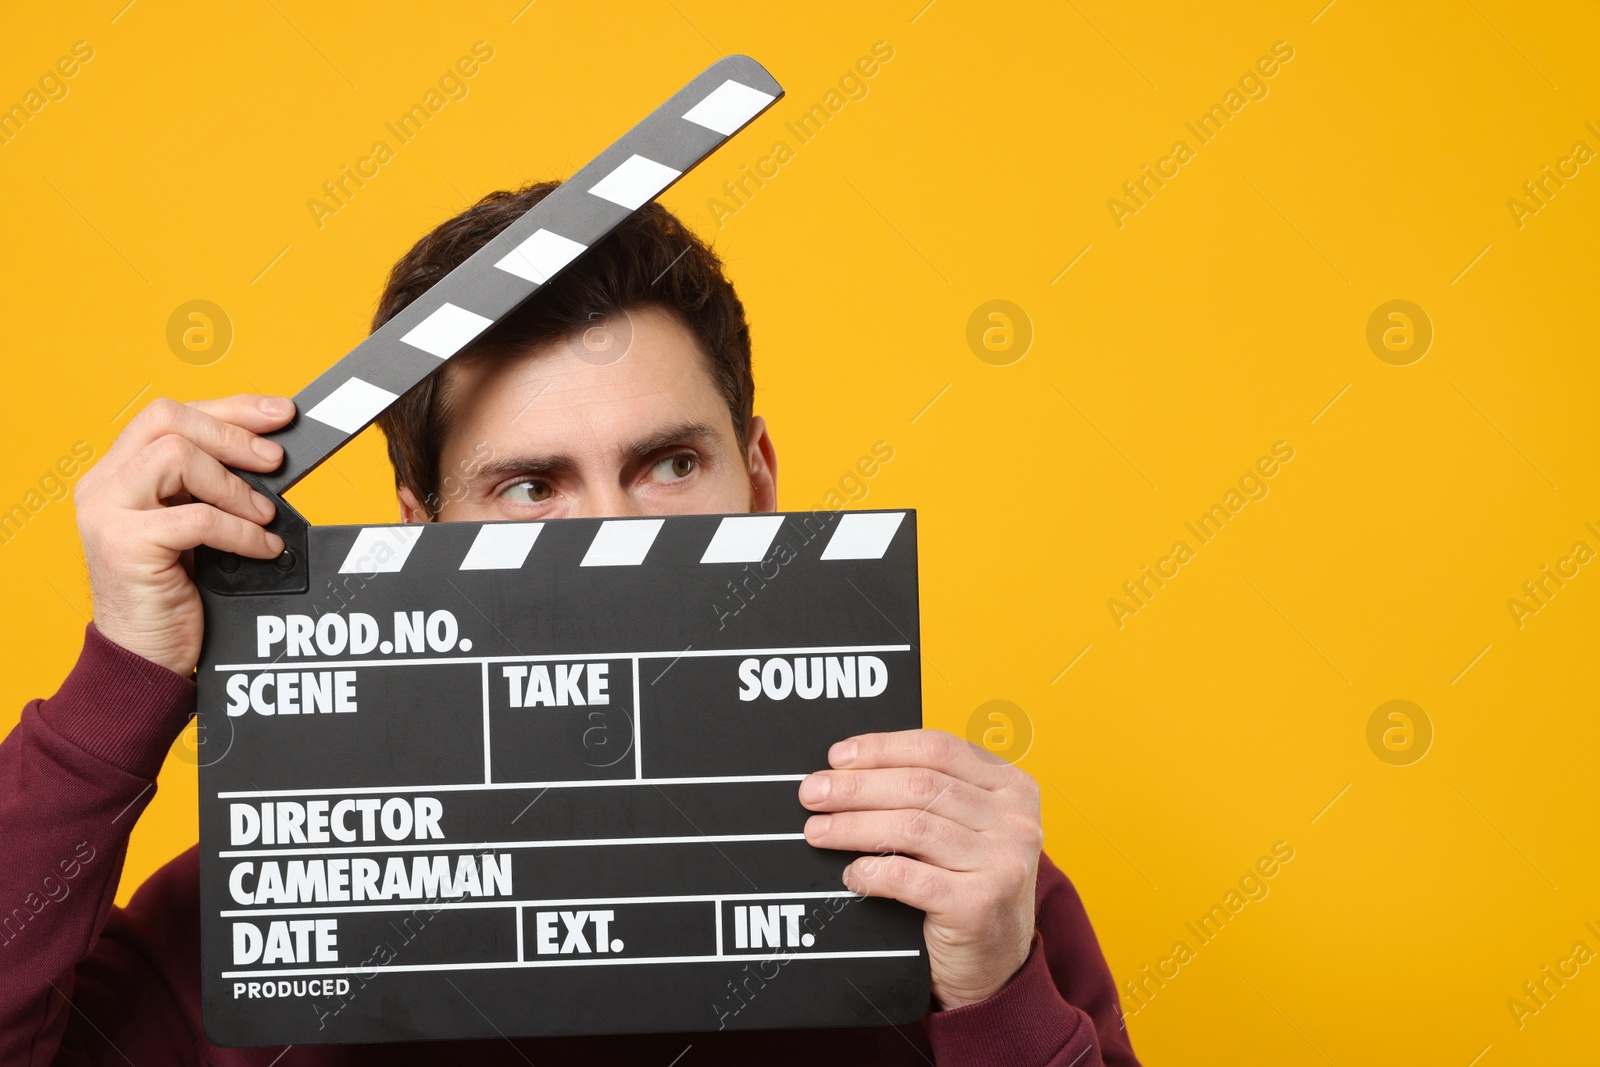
x=555, y=396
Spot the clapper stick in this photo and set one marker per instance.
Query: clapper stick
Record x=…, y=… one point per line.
x=519, y=261
x=479, y=779
x=489, y=285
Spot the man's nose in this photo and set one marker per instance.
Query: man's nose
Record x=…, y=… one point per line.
x=611, y=502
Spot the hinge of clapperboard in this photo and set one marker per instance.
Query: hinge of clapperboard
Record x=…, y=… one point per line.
x=511, y=268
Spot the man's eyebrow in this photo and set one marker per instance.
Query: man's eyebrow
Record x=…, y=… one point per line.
x=698, y=433
x=695, y=433
x=523, y=464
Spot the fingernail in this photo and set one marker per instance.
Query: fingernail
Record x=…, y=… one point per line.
x=276, y=406
x=268, y=450
x=815, y=789
x=264, y=506
x=818, y=825
x=275, y=544
x=843, y=754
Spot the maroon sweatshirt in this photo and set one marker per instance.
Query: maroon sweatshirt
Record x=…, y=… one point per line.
x=83, y=981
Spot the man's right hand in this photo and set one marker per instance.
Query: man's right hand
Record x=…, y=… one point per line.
x=139, y=516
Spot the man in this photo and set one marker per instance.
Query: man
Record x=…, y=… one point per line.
x=622, y=389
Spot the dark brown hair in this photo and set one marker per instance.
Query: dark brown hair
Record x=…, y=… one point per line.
x=651, y=259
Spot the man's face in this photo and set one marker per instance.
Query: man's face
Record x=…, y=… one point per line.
x=549, y=434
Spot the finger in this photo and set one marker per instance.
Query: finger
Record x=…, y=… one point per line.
x=921, y=834
x=254, y=412
x=902, y=878
x=934, y=749
x=901, y=787
x=173, y=465
x=230, y=443
x=192, y=525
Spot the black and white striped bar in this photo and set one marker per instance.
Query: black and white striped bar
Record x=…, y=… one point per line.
x=509, y=546
x=508, y=270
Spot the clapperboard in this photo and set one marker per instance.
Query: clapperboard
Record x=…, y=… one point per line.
x=477, y=779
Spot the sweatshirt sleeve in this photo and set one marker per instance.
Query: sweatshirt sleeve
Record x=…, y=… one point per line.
x=75, y=774
x=1060, y=1010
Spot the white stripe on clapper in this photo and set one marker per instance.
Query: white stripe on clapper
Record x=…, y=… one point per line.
x=539, y=257
x=742, y=539
x=622, y=542
x=380, y=549
x=728, y=106
x=863, y=534
x=351, y=406
x=501, y=546
x=634, y=181
x=446, y=331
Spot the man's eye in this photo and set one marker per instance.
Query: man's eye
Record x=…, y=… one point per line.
x=526, y=493
x=674, y=468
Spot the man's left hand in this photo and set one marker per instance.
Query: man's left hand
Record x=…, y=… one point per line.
x=963, y=835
